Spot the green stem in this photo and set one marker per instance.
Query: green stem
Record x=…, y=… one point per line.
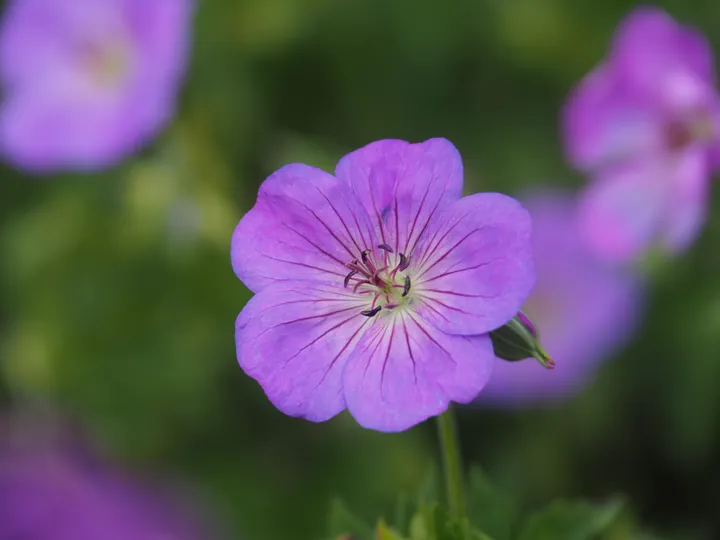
x=452, y=463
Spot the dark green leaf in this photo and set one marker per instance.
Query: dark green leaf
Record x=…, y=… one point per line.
x=572, y=521
x=432, y=522
x=342, y=521
x=491, y=511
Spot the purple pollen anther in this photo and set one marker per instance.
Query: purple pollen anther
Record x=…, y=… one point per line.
x=406, y=287
x=404, y=262
x=391, y=306
x=349, y=277
x=371, y=312
x=385, y=247
x=364, y=255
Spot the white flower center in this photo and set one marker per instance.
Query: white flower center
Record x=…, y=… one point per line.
x=382, y=275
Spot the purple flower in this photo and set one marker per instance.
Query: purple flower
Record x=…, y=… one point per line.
x=87, y=82
x=64, y=492
x=375, y=288
x=584, y=310
x=644, y=124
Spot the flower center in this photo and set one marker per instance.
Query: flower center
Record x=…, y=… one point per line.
x=680, y=133
x=107, y=64
x=380, y=274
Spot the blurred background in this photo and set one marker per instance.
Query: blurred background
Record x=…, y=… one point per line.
x=118, y=298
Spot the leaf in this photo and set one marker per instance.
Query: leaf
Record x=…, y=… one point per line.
x=431, y=522
x=564, y=520
x=342, y=522
x=386, y=533
x=493, y=512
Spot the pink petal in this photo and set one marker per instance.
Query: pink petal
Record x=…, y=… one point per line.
x=651, y=203
x=688, y=211
x=402, y=186
x=604, y=124
x=305, y=225
x=55, y=127
x=662, y=59
x=584, y=309
x=404, y=371
x=475, y=271
x=294, y=339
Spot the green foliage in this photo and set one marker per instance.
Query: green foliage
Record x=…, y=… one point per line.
x=490, y=510
x=564, y=520
x=493, y=515
x=117, y=298
x=342, y=522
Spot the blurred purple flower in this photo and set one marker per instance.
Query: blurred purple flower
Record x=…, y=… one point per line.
x=88, y=82
x=376, y=287
x=52, y=490
x=584, y=310
x=644, y=124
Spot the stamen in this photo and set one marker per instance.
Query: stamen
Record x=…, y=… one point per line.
x=368, y=260
x=349, y=277
x=406, y=287
x=404, y=262
x=385, y=247
x=371, y=312
x=363, y=282
x=355, y=265
x=391, y=306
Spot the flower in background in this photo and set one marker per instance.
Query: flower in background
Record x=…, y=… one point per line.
x=645, y=124
x=87, y=82
x=375, y=288
x=52, y=488
x=584, y=309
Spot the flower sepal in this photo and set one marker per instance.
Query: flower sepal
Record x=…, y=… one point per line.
x=518, y=340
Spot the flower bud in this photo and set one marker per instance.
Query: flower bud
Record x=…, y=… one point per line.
x=518, y=340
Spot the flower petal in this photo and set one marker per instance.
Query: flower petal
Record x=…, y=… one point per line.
x=294, y=339
x=662, y=59
x=688, y=211
x=621, y=211
x=584, y=309
x=52, y=128
x=402, y=186
x=649, y=203
x=404, y=371
x=604, y=124
x=475, y=271
x=305, y=225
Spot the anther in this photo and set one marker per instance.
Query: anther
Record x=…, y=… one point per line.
x=404, y=262
x=349, y=277
x=406, y=287
x=364, y=255
x=371, y=312
x=385, y=247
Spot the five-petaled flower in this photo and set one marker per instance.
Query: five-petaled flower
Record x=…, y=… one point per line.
x=87, y=82
x=375, y=288
x=645, y=125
